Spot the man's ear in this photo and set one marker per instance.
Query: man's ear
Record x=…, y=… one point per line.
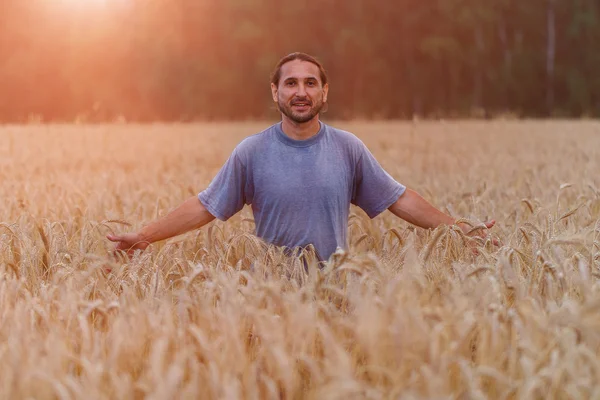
x=274, y=92
x=325, y=92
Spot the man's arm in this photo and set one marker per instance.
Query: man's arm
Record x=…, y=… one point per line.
x=413, y=208
x=190, y=215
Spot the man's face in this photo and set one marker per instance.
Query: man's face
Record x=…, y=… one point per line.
x=300, y=94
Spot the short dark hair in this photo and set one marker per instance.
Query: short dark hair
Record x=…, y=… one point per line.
x=276, y=75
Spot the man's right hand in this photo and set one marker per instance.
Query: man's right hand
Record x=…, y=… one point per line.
x=128, y=242
x=190, y=215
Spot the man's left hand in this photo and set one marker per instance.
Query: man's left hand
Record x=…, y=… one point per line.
x=478, y=232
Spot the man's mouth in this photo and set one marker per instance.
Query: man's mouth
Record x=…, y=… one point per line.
x=300, y=104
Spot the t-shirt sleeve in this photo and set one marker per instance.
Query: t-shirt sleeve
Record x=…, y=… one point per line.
x=374, y=190
x=226, y=194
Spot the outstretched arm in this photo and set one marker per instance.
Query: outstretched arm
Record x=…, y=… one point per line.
x=413, y=208
x=190, y=215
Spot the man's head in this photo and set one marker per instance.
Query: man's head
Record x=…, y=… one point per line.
x=299, y=87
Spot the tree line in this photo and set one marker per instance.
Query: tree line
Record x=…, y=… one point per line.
x=63, y=60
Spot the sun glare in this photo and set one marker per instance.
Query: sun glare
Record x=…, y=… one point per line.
x=79, y=2
x=86, y=4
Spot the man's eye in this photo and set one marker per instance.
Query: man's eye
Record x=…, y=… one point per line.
x=311, y=83
x=290, y=83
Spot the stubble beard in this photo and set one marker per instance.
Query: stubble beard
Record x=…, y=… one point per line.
x=286, y=109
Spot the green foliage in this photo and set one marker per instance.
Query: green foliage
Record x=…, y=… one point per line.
x=208, y=59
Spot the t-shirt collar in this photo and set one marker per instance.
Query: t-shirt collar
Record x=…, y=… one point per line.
x=285, y=139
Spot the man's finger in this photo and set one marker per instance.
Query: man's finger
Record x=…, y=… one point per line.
x=490, y=224
x=494, y=241
x=114, y=238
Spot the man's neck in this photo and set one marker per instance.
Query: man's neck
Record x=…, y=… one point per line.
x=300, y=131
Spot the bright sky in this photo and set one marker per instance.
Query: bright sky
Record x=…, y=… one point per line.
x=84, y=8
x=82, y=5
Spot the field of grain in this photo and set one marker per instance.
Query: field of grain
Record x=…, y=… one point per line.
x=406, y=313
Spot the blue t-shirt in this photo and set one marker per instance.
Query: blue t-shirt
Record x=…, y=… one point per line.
x=300, y=191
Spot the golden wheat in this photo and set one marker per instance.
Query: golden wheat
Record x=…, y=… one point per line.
x=216, y=313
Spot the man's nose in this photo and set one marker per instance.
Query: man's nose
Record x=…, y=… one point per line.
x=301, y=91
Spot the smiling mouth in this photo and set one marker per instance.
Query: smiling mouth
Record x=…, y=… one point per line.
x=301, y=105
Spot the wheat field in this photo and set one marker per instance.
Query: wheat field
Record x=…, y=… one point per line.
x=404, y=314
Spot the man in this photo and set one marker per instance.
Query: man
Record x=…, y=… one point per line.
x=300, y=177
